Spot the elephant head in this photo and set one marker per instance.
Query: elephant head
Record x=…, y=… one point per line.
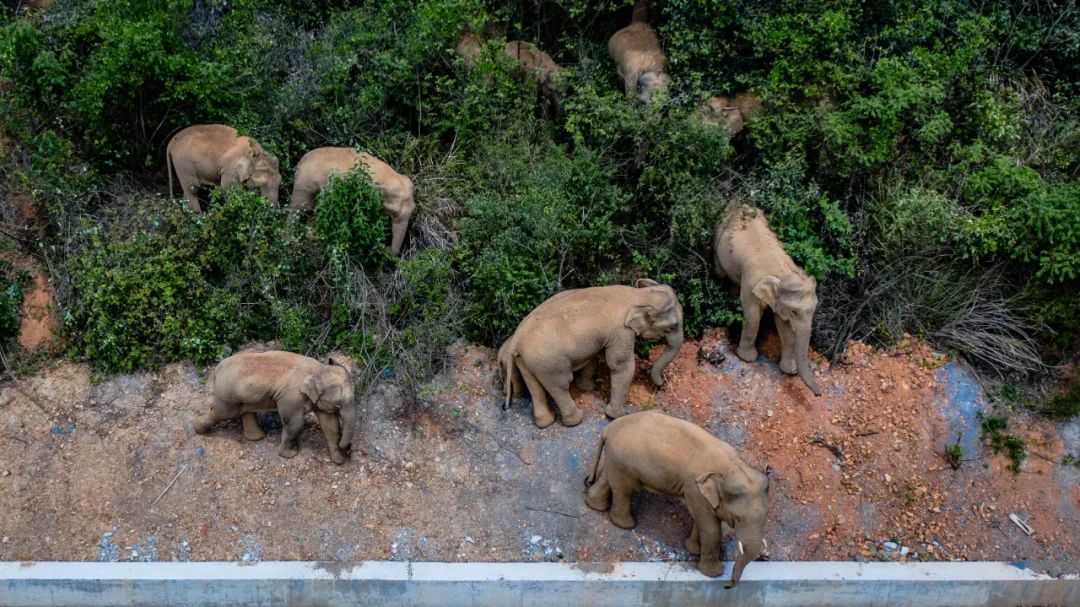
x=260, y=171
x=652, y=83
x=794, y=300
x=739, y=497
x=330, y=389
x=657, y=315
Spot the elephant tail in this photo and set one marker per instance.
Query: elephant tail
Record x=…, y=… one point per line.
x=508, y=364
x=169, y=167
x=589, y=480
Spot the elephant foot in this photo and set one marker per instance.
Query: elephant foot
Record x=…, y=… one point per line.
x=288, y=452
x=573, y=418
x=748, y=354
x=788, y=366
x=614, y=411
x=693, y=546
x=254, y=434
x=657, y=378
x=543, y=421
x=585, y=384
x=711, y=567
x=201, y=425
x=600, y=502
x=625, y=521
x=338, y=457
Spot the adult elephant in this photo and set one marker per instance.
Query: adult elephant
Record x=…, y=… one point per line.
x=749, y=254
x=216, y=155
x=565, y=334
x=317, y=165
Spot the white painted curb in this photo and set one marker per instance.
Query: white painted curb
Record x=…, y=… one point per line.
x=775, y=584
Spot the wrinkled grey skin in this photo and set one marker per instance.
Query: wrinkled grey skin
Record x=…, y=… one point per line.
x=653, y=451
x=748, y=253
x=565, y=334
x=292, y=385
x=216, y=155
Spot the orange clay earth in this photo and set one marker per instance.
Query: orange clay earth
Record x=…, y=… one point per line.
x=112, y=471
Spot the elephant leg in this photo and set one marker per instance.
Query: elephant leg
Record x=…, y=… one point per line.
x=302, y=199
x=585, y=376
x=560, y=392
x=331, y=427
x=747, y=350
x=291, y=424
x=693, y=541
x=621, y=490
x=252, y=430
x=620, y=360
x=599, y=495
x=543, y=416
x=189, y=184
x=219, y=412
x=787, y=345
x=398, y=227
x=709, y=544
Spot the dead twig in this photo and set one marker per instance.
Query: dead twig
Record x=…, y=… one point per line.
x=867, y=433
x=16, y=438
x=182, y=469
x=551, y=511
x=18, y=386
x=820, y=441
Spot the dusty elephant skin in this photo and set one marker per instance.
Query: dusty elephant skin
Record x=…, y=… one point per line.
x=565, y=334
x=315, y=169
x=639, y=60
x=653, y=451
x=292, y=384
x=749, y=254
x=214, y=154
x=731, y=115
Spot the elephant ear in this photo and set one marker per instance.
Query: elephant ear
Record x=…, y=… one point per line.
x=639, y=318
x=765, y=290
x=313, y=387
x=709, y=485
x=645, y=282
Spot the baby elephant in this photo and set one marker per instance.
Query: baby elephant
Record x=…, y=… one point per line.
x=654, y=451
x=247, y=382
x=397, y=190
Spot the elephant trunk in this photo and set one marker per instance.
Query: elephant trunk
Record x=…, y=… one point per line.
x=750, y=547
x=348, y=415
x=674, y=342
x=397, y=234
x=271, y=195
x=802, y=361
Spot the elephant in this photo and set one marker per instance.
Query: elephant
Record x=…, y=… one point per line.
x=639, y=60
x=751, y=256
x=654, y=451
x=215, y=154
x=537, y=66
x=249, y=381
x=468, y=47
x=732, y=115
x=397, y=190
x=566, y=333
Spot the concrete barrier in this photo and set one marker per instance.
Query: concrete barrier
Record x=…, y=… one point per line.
x=775, y=584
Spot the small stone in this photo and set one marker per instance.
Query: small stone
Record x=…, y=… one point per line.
x=904, y=550
x=535, y=539
x=769, y=413
x=5, y=473
x=890, y=546
x=888, y=479
x=5, y=540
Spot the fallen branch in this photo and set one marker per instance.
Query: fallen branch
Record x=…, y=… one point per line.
x=552, y=512
x=821, y=442
x=182, y=469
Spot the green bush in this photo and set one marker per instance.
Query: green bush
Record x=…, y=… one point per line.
x=193, y=288
x=350, y=218
x=12, y=284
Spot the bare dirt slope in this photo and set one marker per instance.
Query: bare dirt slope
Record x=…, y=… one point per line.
x=112, y=471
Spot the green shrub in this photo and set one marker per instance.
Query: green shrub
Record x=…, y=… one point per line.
x=350, y=218
x=12, y=284
x=193, y=288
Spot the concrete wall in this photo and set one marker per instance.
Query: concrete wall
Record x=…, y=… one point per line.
x=776, y=584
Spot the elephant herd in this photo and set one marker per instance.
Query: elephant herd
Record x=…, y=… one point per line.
x=561, y=341
x=216, y=155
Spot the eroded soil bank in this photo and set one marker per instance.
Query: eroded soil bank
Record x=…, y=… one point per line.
x=112, y=471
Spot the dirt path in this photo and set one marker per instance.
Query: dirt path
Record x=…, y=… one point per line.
x=461, y=480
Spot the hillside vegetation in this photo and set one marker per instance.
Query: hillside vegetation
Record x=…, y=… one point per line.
x=920, y=158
